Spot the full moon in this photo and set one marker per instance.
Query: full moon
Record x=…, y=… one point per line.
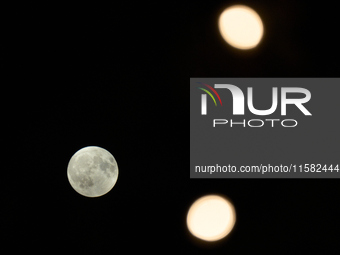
x=92, y=171
x=211, y=218
x=241, y=27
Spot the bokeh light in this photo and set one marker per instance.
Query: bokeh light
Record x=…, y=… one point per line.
x=211, y=218
x=241, y=27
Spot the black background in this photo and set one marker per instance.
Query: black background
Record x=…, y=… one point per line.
x=118, y=77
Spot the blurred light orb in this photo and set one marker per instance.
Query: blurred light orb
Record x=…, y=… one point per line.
x=211, y=218
x=241, y=27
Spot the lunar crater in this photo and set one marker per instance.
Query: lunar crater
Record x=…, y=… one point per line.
x=86, y=182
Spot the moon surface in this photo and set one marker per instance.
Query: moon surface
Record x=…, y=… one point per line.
x=211, y=218
x=92, y=171
x=241, y=27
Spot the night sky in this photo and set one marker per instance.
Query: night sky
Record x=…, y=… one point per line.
x=118, y=77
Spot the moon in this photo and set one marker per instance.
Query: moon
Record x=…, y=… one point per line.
x=211, y=218
x=241, y=27
x=92, y=171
